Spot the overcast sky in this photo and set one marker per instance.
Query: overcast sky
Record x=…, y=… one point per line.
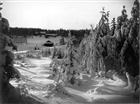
x=56, y=14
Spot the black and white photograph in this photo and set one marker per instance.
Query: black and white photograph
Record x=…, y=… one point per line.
x=69, y=52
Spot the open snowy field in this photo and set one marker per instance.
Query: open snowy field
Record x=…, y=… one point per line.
x=36, y=40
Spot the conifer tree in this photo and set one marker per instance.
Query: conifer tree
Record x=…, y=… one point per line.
x=71, y=61
x=113, y=26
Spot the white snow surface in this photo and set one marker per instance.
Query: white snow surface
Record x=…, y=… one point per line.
x=98, y=90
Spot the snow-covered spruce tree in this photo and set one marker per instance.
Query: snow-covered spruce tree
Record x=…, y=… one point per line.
x=130, y=49
x=122, y=47
x=8, y=93
x=110, y=44
x=90, y=56
x=94, y=45
x=71, y=60
x=113, y=26
x=81, y=51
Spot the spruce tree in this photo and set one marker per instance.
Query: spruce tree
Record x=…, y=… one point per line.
x=71, y=61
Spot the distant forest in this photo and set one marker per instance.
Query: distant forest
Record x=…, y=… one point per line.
x=28, y=32
x=37, y=32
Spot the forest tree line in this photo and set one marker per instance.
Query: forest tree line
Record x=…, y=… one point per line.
x=16, y=31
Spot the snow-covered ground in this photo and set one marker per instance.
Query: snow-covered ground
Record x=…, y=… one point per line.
x=32, y=42
x=98, y=90
x=93, y=90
